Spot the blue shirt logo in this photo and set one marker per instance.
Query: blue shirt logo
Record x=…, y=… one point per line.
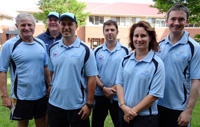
x=181, y=54
x=100, y=58
x=55, y=54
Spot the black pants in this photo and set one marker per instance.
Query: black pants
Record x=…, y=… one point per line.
x=168, y=117
x=100, y=111
x=139, y=121
x=65, y=118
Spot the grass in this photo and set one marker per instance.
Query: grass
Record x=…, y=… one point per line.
x=5, y=115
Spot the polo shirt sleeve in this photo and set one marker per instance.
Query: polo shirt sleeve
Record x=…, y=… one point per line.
x=5, y=56
x=46, y=55
x=195, y=64
x=158, y=81
x=119, y=78
x=91, y=66
x=50, y=65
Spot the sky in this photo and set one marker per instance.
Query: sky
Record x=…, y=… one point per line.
x=10, y=6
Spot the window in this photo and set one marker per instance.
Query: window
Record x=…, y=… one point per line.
x=91, y=19
x=133, y=20
x=96, y=20
x=157, y=23
x=118, y=20
x=101, y=19
x=152, y=21
x=137, y=20
x=128, y=21
x=122, y=21
x=162, y=23
x=125, y=21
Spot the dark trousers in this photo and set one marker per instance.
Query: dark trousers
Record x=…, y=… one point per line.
x=168, y=117
x=100, y=111
x=139, y=121
x=65, y=118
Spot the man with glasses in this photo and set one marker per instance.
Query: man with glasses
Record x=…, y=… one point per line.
x=108, y=57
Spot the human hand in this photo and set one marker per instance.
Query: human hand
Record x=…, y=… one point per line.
x=7, y=102
x=184, y=118
x=49, y=90
x=85, y=111
x=109, y=92
x=129, y=114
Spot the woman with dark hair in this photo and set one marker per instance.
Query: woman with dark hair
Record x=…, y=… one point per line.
x=140, y=79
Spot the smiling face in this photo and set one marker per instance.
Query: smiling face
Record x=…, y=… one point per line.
x=176, y=22
x=53, y=23
x=68, y=28
x=26, y=28
x=110, y=32
x=141, y=39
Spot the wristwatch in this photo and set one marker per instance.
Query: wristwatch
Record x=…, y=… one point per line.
x=101, y=87
x=90, y=105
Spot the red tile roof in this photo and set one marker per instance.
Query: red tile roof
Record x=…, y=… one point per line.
x=122, y=9
x=30, y=10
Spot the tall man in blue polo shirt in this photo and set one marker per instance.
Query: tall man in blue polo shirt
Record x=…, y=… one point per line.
x=108, y=57
x=52, y=33
x=27, y=60
x=181, y=56
x=73, y=69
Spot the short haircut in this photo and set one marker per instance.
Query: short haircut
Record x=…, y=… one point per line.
x=24, y=16
x=179, y=7
x=110, y=22
x=153, y=44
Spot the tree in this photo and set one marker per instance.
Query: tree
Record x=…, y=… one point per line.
x=194, y=6
x=197, y=37
x=62, y=6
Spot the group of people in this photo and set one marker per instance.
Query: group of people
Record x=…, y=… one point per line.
x=57, y=79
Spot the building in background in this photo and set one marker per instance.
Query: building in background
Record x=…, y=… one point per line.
x=124, y=13
x=7, y=27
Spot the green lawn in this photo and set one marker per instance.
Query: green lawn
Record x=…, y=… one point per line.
x=5, y=114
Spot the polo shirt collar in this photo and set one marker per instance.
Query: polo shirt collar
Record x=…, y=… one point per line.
x=75, y=44
x=148, y=58
x=117, y=47
x=48, y=33
x=183, y=40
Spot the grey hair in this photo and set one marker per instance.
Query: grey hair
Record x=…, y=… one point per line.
x=24, y=16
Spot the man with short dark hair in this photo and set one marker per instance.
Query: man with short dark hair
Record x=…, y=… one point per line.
x=108, y=57
x=73, y=69
x=181, y=56
x=52, y=33
x=27, y=60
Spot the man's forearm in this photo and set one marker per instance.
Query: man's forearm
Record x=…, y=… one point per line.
x=91, y=89
x=47, y=75
x=194, y=94
x=98, y=81
x=3, y=84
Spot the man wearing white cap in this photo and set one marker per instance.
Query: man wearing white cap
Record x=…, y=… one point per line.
x=73, y=69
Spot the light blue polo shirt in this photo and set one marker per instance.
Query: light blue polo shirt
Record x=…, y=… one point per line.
x=108, y=64
x=137, y=76
x=27, y=82
x=180, y=67
x=69, y=89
